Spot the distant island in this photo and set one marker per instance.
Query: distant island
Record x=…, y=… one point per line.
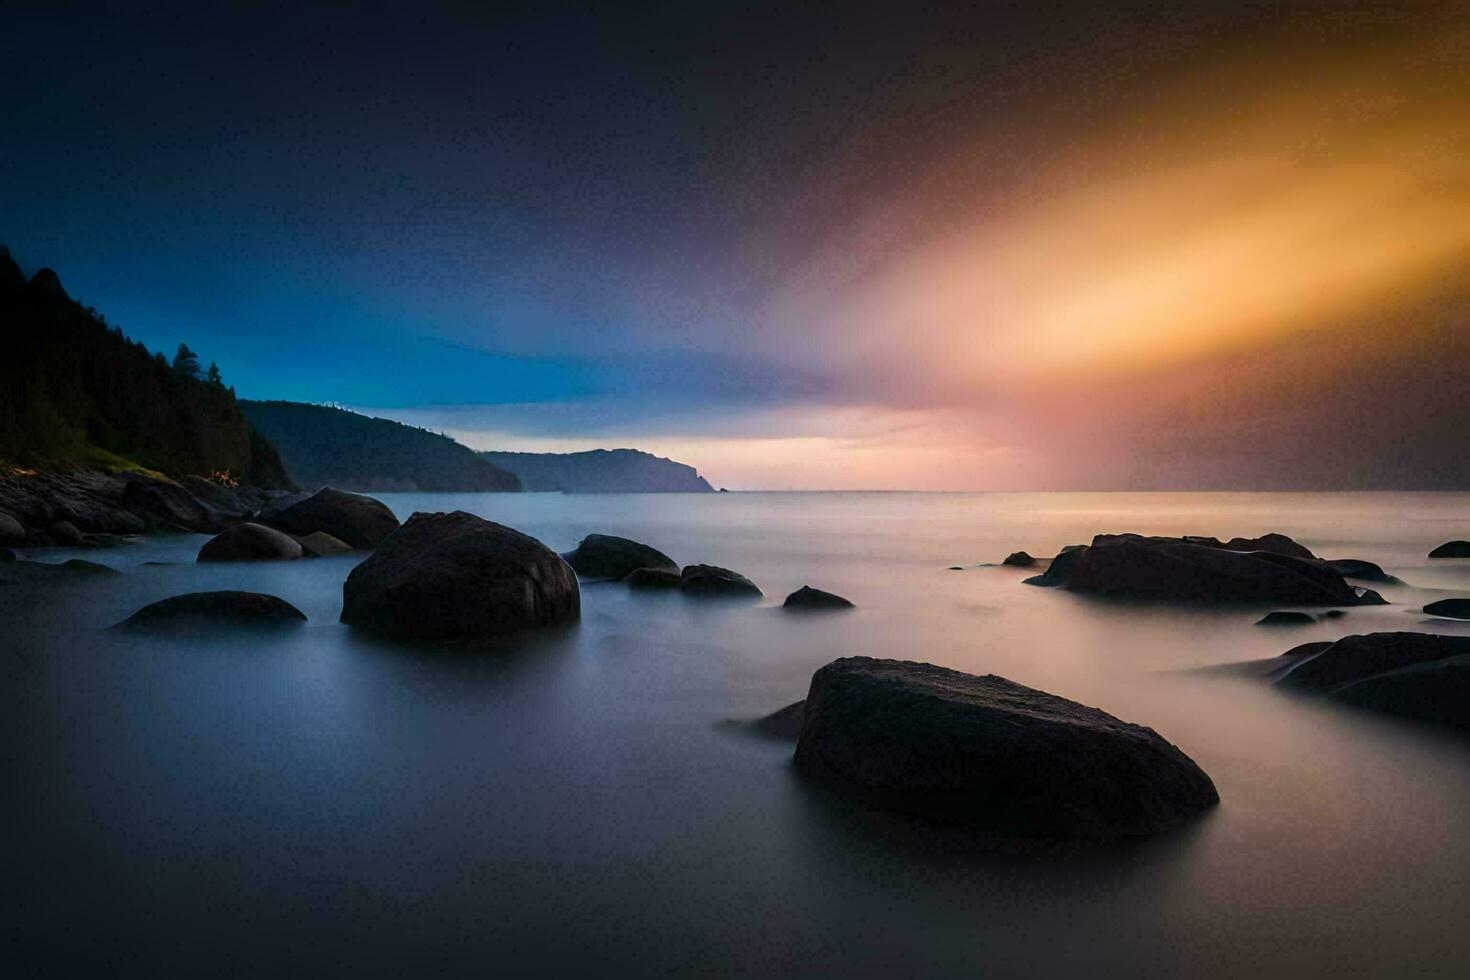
x=326, y=446
x=601, y=471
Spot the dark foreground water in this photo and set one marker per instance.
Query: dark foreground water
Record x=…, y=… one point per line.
x=323, y=802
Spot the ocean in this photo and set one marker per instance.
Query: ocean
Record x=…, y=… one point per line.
x=585, y=801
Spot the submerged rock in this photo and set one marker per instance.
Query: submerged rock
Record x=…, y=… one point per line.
x=711, y=580
x=653, y=578
x=991, y=753
x=221, y=608
x=250, y=542
x=1199, y=570
x=607, y=556
x=1450, y=608
x=807, y=597
x=1452, y=549
x=1285, y=618
x=1019, y=559
x=1437, y=692
x=457, y=575
x=320, y=544
x=358, y=520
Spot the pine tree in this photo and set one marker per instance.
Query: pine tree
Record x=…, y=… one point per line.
x=214, y=375
x=186, y=362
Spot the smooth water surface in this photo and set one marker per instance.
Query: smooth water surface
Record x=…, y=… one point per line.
x=580, y=802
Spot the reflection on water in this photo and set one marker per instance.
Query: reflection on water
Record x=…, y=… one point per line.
x=322, y=800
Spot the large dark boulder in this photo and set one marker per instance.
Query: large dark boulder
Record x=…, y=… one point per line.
x=1452, y=549
x=1326, y=669
x=807, y=597
x=1450, y=608
x=711, y=580
x=457, y=575
x=354, y=518
x=991, y=753
x=250, y=542
x=1196, y=570
x=197, y=609
x=607, y=556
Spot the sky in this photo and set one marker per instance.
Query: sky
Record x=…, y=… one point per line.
x=799, y=246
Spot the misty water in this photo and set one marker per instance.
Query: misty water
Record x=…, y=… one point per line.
x=579, y=801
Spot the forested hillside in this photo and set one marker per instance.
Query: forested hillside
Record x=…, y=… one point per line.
x=331, y=446
x=76, y=393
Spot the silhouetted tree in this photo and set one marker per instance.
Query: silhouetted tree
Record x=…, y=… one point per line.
x=186, y=362
x=214, y=376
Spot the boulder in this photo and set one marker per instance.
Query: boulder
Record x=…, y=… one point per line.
x=1197, y=570
x=1283, y=618
x=11, y=530
x=456, y=575
x=1325, y=669
x=991, y=753
x=607, y=556
x=360, y=521
x=1019, y=559
x=807, y=597
x=653, y=578
x=250, y=542
x=1357, y=568
x=1452, y=549
x=64, y=533
x=217, y=608
x=711, y=580
x=320, y=544
x=1272, y=543
x=1450, y=608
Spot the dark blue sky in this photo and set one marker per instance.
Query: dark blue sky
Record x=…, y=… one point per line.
x=809, y=244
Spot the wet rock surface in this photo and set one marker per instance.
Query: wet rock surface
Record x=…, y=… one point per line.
x=712, y=580
x=354, y=518
x=250, y=542
x=227, y=608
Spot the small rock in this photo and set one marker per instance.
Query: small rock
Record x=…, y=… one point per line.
x=223, y=608
x=1450, y=608
x=320, y=544
x=711, y=580
x=956, y=568
x=653, y=578
x=1281, y=618
x=807, y=597
x=1335, y=613
x=1019, y=559
x=1452, y=549
x=1359, y=569
x=65, y=533
x=785, y=723
x=11, y=530
x=250, y=542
